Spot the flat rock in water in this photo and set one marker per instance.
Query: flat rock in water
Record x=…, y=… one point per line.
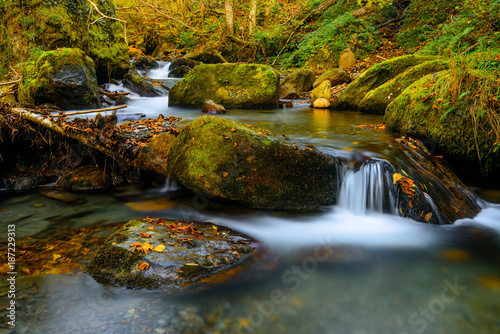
x=171, y=256
x=59, y=195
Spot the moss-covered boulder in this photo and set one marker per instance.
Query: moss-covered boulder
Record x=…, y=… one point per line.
x=377, y=100
x=447, y=109
x=29, y=27
x=144, y=63
x=65, y=77
x=336, y=76
x=85, y=178
x=235, y=86
x=144, y=86
x=171, y=256
x=295, y=83
x=374, y=77
x=239, y=162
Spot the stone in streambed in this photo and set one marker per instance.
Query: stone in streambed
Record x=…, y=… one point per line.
x=222, y=158
x=323, y=91
x=59, y=195
x=336, y=76
x=85, y=178
x=377, y=75
x=172, y=256
x=235, y=86
x=212, y=108
x=295, y=83
x=377, y=100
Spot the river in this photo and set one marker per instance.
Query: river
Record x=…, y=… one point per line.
x=350, y=268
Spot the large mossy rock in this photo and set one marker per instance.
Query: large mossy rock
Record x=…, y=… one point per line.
x=171, y=256
x=235, y=86
x=239, y=162
x=440, y=107
x=65, y=77
x=295, y=83
x=374, y=77
x=30, y=26
x=377, y=100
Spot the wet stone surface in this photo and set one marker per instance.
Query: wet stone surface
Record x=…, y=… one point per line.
x=171, y=256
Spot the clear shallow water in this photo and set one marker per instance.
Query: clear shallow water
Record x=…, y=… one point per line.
x=335, y=271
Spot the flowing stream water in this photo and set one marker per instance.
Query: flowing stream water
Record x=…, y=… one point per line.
x=356, y=267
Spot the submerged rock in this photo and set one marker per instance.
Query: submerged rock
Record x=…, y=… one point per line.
x=171, y=256
x=235, y=86
x=374, y=77
x=85, y=178
x=65, y=77
x=222, y=158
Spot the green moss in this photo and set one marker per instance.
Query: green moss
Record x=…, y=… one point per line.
x=435, y=108
x=423, y=20
x=219, y=157
x=321, y=48
x=243, y=86
x=57, y=24
x=377, y=100
x=373, y=78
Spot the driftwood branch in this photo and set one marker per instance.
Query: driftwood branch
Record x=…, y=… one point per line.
x=112, y=94
x=9, y=82
x=89, y=111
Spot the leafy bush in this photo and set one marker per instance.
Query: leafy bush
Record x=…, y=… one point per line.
x=331, y=38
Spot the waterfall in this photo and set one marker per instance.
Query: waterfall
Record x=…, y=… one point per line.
x=160, y=72
x=366, y=190
x=170, y=186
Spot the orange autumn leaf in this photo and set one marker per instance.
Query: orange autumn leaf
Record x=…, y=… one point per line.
x=143, y=266
x=146, y=247
x=136, y=244
x=145, y=235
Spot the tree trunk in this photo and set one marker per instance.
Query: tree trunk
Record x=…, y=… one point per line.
x=252, y=17
x=229, y=18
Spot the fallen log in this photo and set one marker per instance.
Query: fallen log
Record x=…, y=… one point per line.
x=112, y=94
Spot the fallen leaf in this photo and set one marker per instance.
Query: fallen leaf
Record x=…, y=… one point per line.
x=146, y=247
x=159, y=248
x=191, y=264
x=136, y=244
x=428, y=217
x=145, y=235
x=143, y=266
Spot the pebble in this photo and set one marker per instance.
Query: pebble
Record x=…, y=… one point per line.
x=160, y=330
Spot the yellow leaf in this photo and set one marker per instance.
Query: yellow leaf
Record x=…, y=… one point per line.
x=56, y=256
x=159, y=248
x=146, y=247
x=191, y=264
x=396, y=177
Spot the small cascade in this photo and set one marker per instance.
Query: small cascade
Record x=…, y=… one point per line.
x=170, y=186
x=366, y=190
x=160, y=72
